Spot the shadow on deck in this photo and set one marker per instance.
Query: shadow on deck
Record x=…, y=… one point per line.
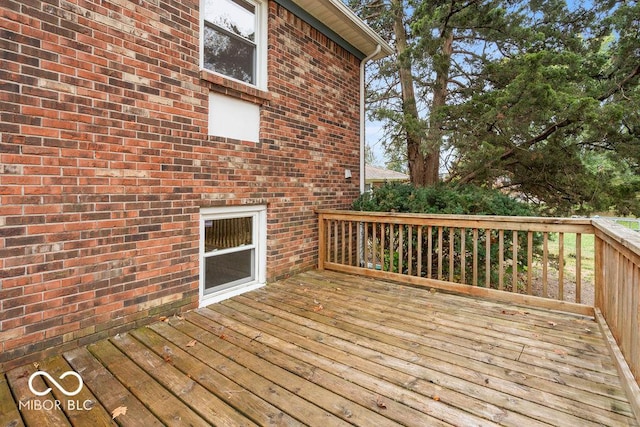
x=328, y=349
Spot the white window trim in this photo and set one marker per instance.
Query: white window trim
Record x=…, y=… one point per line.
x=261, y=41
x=259, y=213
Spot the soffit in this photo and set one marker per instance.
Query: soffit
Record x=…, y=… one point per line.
x=342, y=21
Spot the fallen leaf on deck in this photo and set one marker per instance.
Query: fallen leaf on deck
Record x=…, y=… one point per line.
x=191, y=343
x=166, y=354
x=380, y=403
x=436, y=398
x=318, y=308
x=120, y=410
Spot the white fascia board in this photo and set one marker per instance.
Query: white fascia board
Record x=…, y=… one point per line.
x=344, y=22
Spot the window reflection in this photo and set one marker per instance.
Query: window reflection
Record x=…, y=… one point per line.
x=229, y=38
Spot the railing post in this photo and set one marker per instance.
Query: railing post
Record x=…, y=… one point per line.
x=322, y=248
x=599, y=273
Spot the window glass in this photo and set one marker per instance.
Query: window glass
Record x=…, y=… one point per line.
x=229, y=269
x=230, y=39
x=227, y=233
x=236, y=17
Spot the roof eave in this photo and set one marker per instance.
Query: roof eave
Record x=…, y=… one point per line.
x=344, y=22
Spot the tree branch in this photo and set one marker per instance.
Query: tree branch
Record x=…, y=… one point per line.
x=553, y=128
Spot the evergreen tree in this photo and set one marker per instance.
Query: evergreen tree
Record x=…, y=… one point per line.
x=533, y=96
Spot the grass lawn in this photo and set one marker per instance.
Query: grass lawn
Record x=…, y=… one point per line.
x=569, y=281
x=633, y=225
x=588, y=251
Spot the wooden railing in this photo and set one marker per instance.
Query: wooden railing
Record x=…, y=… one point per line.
x=617, y=293
x=583, y=266
x=527, y=257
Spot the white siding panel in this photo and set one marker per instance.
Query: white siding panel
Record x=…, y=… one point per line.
x=233, y=118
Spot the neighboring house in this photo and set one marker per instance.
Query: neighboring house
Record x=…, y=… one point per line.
x=160, y=155
x=376, y=177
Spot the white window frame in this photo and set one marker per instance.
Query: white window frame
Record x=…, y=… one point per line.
x=262, y=12
x=258, y=214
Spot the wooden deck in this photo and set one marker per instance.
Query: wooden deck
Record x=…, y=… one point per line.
x=330, y=349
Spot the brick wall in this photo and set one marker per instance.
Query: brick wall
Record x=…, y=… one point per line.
x=105, y=161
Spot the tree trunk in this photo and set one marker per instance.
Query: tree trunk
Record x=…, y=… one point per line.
x=440, y=92
x=413, y=131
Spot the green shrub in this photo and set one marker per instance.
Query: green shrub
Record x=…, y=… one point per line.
x=441, y=199
x=456, y=200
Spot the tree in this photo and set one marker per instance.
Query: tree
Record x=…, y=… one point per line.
x=535, y=97
x=434, y=43
x=557, y=119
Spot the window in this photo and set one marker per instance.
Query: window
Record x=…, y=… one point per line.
x=233, y=251
x=233, y=39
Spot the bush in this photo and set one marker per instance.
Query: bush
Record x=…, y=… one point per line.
x=456, y=200
x=441, y=199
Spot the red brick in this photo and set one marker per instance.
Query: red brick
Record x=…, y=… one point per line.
x=102, y=196
x=23, y=340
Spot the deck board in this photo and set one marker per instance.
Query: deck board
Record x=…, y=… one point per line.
x=81, y=409
x=34, y=409
x=162, y=402
x=419, y=361
x=109, y=391
x=9, y=414
x=253, y=406
x=505, y=398
x=330, y=349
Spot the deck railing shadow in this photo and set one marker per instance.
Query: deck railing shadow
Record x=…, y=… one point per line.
x=584, y=266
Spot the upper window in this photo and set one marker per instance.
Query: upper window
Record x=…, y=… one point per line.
x=232, y=39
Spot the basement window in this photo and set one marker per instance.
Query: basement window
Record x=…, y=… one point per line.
x=232, y=251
